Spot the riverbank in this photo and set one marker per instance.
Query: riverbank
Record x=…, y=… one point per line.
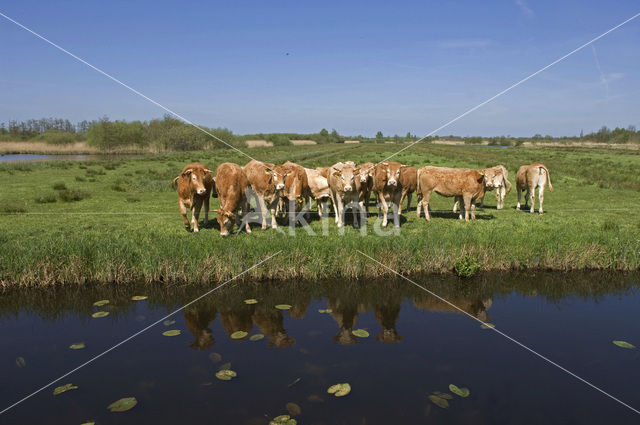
x=70, y=223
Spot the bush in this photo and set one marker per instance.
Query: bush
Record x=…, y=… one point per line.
x=466, y=266
x=57, y=137
x=13, y=207
x=80, y=179
x=59, y=186
x=110, y=135
x=47, y=199
x=73, y=195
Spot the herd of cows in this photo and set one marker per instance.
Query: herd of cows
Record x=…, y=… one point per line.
x=289, y=188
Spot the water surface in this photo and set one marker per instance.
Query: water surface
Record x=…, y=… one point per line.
x=417, y=345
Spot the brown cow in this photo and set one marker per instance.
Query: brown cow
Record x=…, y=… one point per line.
x=267, y=185
x=343, y=183
x=365, y=172
x=494, y=178
x=319, y=187
x=457, y=182
x=409, y=182
x=296, y=186
x=195, y=185
x=530, y=177
x=232, y=185
x=387, y=187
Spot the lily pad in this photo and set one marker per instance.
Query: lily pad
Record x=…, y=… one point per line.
x=63, y=388
x=361, y=333
x=100, y=314
x=283, y=420
x=251, y=301
x=172, y=332
x=88, y=423
x=139, y=297
x=168, y=322
x=339, y=390
x=123, y=404
x=239, y=334
x=326, y=310
x=462, y=392
x=225, y=374
x=77, y=346
x=283, y=306
x=20, y=362
x=215, y=357
x=101, y=303
x=439, y=401
x=624, y=344
x=256, y=337
x=293, y=409
x=446, y=396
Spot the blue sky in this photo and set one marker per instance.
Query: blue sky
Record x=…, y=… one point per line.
x=358, y=67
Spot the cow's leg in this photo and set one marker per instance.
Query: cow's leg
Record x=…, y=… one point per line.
x=519, y=196
x=263, y=211
x=498, y=195
x=402, y=196
x=195, y=213
x=467, y=205
x=418, y=206
x=183, y=211
x=245, y=213
x=335, y=206
x=425, y=205
x=385, y=209
x=339, y=211
x=206, y=210
x=409, y=196
x=354, y=212
x=531, y=196
x=481, y=202
x=540, y=197
x=456, y=204
x=397, y=200
x=273, y=210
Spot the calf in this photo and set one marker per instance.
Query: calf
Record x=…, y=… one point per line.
x=387, y=187
x=408, y=182
x=494, y=178
x=365, y=174
x=232, y=185
x=296, y=187
x=267, y=185
x=319, y=187
x=344, y=191
x=195, y=185
x=530, y=177
x=465, y=184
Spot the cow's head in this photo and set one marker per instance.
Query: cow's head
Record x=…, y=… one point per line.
x=365, y=171
x=226, y=220
x=275, y=176
x=346, y=178
x=492, y=178
x=196, y=177
x=392, y=171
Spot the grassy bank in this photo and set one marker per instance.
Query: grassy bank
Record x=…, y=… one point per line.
x=118, y=221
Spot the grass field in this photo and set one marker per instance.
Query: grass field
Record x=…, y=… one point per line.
x=118, y=221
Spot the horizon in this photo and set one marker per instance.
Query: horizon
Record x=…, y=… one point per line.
x=255, y=68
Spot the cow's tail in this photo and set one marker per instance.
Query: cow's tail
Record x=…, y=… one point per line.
x=507, y=183
x=548, y=177
x=418, y=189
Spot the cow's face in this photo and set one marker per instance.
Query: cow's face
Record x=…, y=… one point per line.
x=225, y=220
x=346, y=178
x=196, y=178
x=277, y=177
x=365, y=172
x=492, y=178
x=393, y=172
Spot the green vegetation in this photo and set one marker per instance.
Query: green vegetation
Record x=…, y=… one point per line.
x=96, y=232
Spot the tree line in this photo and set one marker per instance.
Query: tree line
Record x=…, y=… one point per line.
x=170, y=134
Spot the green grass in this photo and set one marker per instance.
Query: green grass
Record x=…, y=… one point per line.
x=118, y=221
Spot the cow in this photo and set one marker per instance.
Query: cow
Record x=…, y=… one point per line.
x=195, y=185
x=365, y=172
x=198, y=321
x=465, y=184
x=494, y=178
x=343, y=183
x=408, y=182
x=324, y=171
x=387, y=187
x=319, y=187
x=232, y=185
x=267, y=185
x=296, y=187
x=530, y=177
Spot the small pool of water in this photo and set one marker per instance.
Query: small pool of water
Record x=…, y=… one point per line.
x=417, y=345
x=36, y=157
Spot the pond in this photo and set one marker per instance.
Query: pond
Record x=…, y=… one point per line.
x=21, y=157
x=417, y=345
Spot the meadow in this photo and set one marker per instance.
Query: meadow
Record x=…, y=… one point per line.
x=117, y=220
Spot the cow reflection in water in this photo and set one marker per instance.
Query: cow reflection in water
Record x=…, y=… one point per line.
x=387, y=315
x=198, y=321
x=477, y=308
x=345, y=313
x=236, y=320
x=270, y=323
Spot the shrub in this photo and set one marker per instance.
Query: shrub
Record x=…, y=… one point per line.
x=47, y=199
x=57, y=137
x=94, y=172
x=73, y=195
x=59, y=186
x=80, y=179
x=466, y=266
x=13, y=207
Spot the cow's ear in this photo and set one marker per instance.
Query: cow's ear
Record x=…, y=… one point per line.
x=336, y=174
x=266, y=171
x=403, y=166
x=385, y=163
x=187, y=172
x=206, y=170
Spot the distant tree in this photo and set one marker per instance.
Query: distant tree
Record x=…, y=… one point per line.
x=379, y=136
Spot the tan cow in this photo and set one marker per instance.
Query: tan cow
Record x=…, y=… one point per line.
x=296, y=187
x=195, y=185
x=495, y=178
x=365, y=172
x=319, y=187
x=464, y=183
x=267, y=185
x=343, y=183
x=408, y=182
x=530, y=177
x=232, y=185
x=387, y=187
